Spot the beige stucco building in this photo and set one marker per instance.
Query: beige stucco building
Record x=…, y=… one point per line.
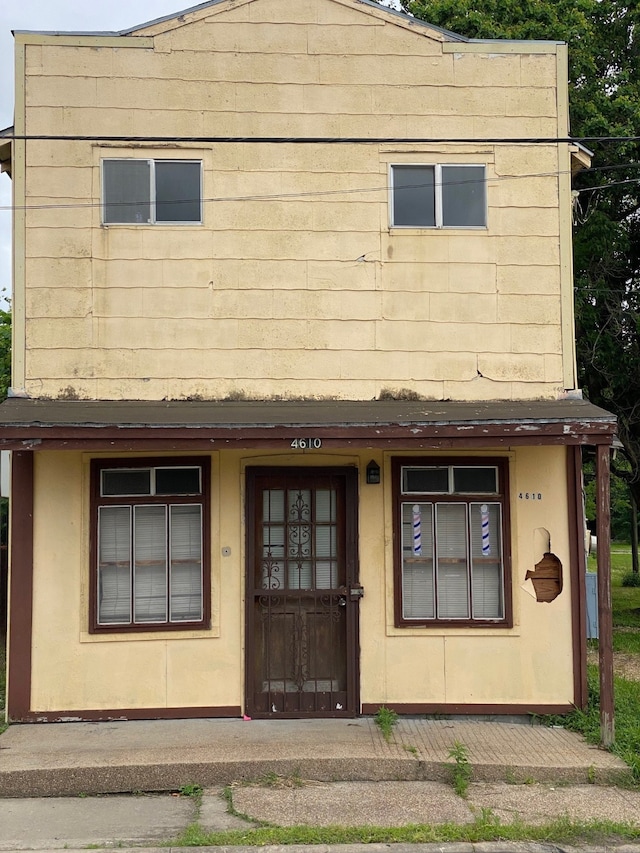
x=294, y=417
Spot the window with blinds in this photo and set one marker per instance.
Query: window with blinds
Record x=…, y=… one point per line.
x=450, y=535
x=150, y=566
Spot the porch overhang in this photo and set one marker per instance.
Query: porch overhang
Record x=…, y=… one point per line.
x=6, y=150
x=34, y=424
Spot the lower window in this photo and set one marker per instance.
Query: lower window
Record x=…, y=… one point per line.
x=451, y=541
x=150, y=546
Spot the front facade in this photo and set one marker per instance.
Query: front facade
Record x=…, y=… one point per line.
x=295, y=425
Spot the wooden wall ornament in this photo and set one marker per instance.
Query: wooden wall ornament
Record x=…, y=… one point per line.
x=546, y=578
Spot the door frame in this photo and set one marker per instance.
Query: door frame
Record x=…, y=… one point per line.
x=350, y=476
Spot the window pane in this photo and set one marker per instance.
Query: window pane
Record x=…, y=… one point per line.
x=418, y=600
x=273, y=505
x=463, y=196
x=325, y=505
x=473, y=481
x=177, y=191
x=150, y=564
x=114, y=564
x=272, y=556
x=299, y=565
x=451, y=557
x=178, y=481
x=486, y=558
x=186, y=563
x=413, y=196
x=299, y=505
x=123, y=481
x=422, y=480
x=126, y=191
x=326, y=552
x=273, y=536
x=299, y=574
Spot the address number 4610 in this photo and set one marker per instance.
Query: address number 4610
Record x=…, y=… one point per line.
x=306, y=443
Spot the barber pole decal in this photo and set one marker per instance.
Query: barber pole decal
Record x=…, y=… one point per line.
x=417, y=531
x=486, y=544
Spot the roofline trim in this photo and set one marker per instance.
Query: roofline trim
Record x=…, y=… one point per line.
x=449, y=35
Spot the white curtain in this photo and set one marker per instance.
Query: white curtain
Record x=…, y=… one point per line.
x=114, y=564
x=186, y=562
x=150, y=563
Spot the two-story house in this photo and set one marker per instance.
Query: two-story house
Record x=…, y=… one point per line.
x=294, y=416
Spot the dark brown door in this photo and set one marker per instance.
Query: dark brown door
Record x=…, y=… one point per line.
x=302, y=592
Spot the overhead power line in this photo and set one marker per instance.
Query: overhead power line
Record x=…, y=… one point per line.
x=283, y=196
x=324, y=140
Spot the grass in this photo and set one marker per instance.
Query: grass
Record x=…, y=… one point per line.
x=386, y=719
x=627, y=719
x=192, y=790
x=625, y=600
x=625, y=603
x=486, y=827
x=275, y=780
x=461, y=769
x=627, y=642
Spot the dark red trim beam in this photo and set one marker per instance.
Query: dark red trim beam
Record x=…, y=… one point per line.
x=21, y=585
x=605, y=619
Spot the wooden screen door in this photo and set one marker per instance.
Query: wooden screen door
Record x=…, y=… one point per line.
x=302, y=592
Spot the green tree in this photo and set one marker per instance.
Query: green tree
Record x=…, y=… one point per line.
x=5, y=353
x=604, y=90
x=621, y=512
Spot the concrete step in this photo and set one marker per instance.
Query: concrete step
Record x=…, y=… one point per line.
x=66, y=759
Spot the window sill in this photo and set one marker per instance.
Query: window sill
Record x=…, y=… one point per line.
x=159, y=225
x=446, y=629
x=161, y=634
x=410, y=230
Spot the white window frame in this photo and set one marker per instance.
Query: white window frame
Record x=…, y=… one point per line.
x=152, y=192
x=437, y=179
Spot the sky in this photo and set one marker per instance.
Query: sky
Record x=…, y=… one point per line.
x=64, y=16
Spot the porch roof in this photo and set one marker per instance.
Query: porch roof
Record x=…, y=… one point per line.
x=120, y=425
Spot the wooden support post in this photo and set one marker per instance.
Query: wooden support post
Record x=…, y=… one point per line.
x=20, y=585
x=605, y=645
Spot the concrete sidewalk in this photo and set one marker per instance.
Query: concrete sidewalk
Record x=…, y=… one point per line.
x=122, y=821
x=67, y=759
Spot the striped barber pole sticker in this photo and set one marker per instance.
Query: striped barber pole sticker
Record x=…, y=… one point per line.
x=417, y=531
x=486, y=544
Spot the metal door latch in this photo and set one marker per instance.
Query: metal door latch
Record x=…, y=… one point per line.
x=356, y=591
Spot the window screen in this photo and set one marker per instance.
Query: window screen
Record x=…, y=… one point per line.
x=413, y=196
x=126, y=191
x=438, y=196
x=136, y=191
x=463, y=196
x=177, y=191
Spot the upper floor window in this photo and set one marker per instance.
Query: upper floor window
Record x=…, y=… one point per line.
x=136, y=191
x=438, y=196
